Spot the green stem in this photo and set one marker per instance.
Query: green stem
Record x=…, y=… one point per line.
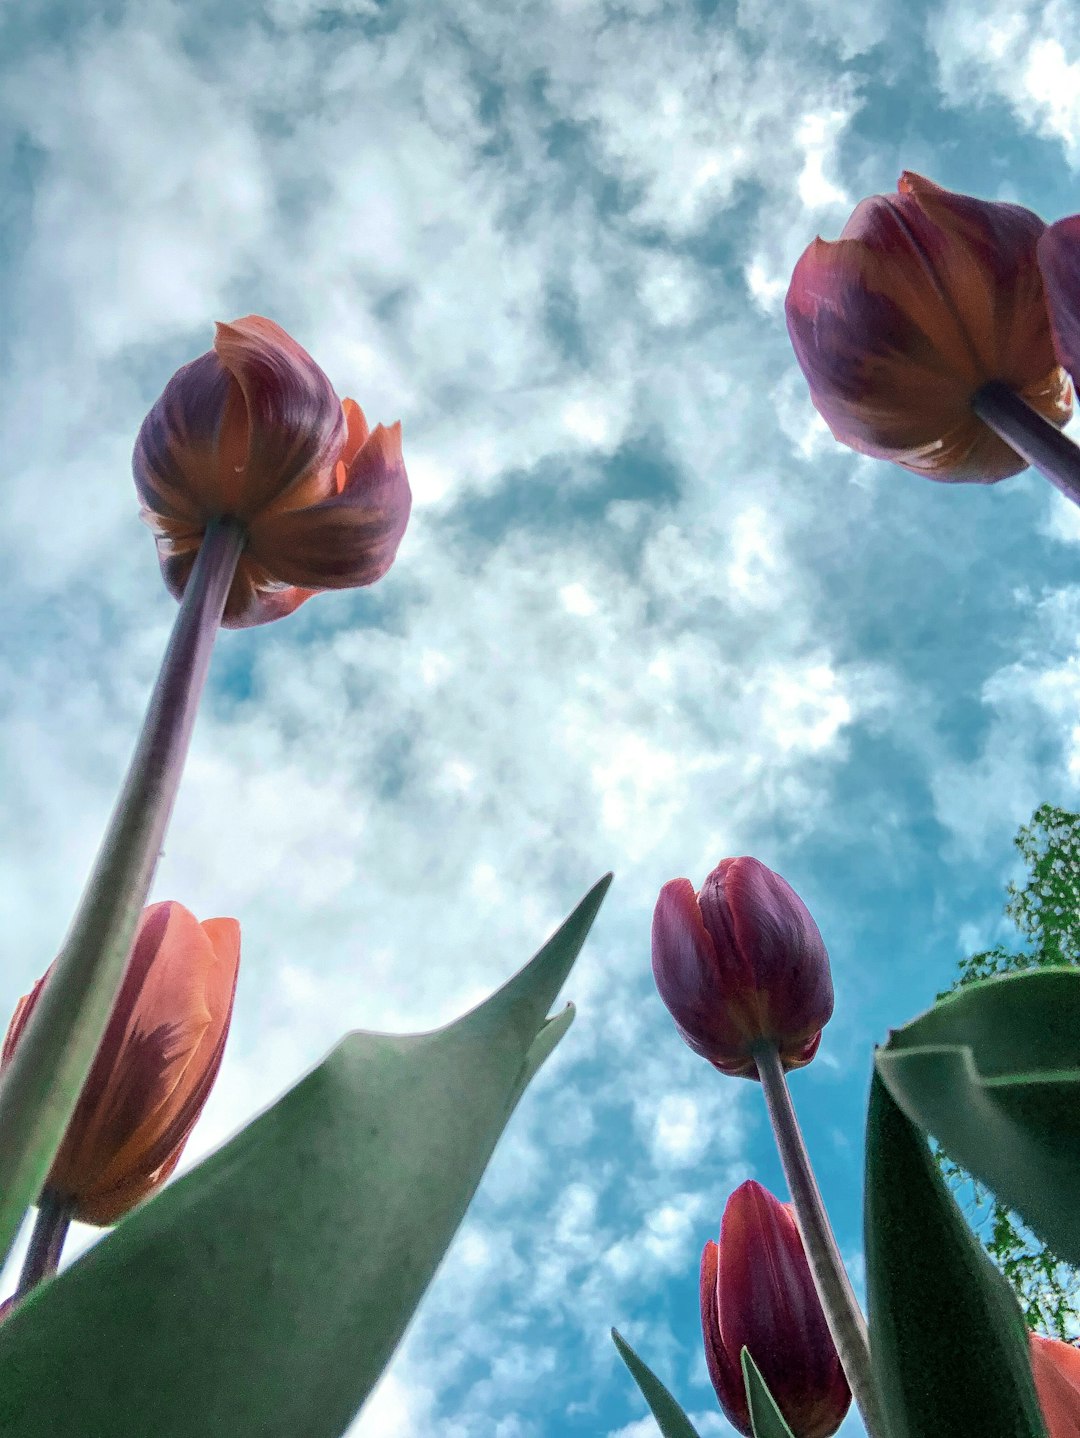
x=842, y=1312
x=40, y=1086
x=47, y=1240
x=1034, y=438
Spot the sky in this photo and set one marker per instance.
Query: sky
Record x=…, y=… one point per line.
x=647, y=613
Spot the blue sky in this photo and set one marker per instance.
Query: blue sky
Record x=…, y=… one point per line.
x=647, y=613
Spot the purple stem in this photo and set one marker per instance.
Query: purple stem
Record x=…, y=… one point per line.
x=1034, y=438
x=46, y=1242
x=842, y=1312
x=40, y=1086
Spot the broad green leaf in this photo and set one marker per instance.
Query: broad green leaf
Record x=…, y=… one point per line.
x=262, y=1294
x=672, y=1421
x=947, y=1340
x=993, y=1072
x=765, y=1418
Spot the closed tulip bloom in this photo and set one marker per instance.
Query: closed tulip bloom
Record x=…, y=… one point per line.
x=926, y=296
x=741, y=963
x=757, y=1293
x=252, y=431
x=156, y=1065
x=1055, y=1367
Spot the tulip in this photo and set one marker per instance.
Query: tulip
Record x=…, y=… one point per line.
x=253, y=432
x=757, y=1293
x=740, y=964
x=1055, y=1367
x=926, y=297
x=154, y=1069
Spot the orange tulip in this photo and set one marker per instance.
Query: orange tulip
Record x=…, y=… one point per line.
x=156, y=1065
x=253, y=431
x=1056, y=1370
x=926, y=297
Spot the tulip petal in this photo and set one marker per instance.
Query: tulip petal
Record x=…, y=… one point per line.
x=166, y=1131
x=155, y=1028
x=23, y=1010
x=266, y=605
x=726, y=1377
x=350, y=539
x=296, y=426
x=1055, y=1367
x=178, y=452
x=356, y=435
x=779, y=947
x=1058, y=254
x=689, y=980
x=257, y=597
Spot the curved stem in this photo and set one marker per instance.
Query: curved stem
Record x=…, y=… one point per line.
x=46, y=1242
x=40, y=1086
x=842, y=1312
x=1034, y=438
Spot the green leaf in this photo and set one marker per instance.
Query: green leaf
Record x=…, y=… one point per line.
x=947, y=1340
x=765, y=1418
x=264, y=1292
x=672, y=1421
x=993, y=1072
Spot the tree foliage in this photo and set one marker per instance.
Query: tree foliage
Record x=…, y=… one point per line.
x=1046, y=911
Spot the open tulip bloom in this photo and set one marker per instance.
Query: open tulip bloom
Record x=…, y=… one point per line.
x=937, y=333
x=252, y=435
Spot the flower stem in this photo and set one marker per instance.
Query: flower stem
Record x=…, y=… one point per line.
x=1034, y=438
x=842, y=1313
x=47, y=1240
x=40, y=1086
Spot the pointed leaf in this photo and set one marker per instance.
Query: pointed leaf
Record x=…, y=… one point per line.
x=765, y=1418
x=993, y=1072
x=672, y=1421
x=264, y=1292
x=947, y=1339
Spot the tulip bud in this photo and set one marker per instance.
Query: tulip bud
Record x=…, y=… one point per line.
x=757, y=1293
x=252, y=431
x=741, y=963
x=1055, y=1366
x=926, y=297
x=156, y=1065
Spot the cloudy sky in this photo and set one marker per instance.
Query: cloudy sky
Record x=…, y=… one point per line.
x=647, y=614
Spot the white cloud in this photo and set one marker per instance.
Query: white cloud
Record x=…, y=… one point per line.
x=1023, y=51
x=558, y=251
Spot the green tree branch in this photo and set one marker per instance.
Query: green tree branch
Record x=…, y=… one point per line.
x=1046, y=911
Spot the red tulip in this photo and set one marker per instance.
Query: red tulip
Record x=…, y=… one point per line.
x=926, y=297
x=757, y=1293
x=740, y=963
x=253, y=431
x=156, y=1065
x=1055, y=1367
